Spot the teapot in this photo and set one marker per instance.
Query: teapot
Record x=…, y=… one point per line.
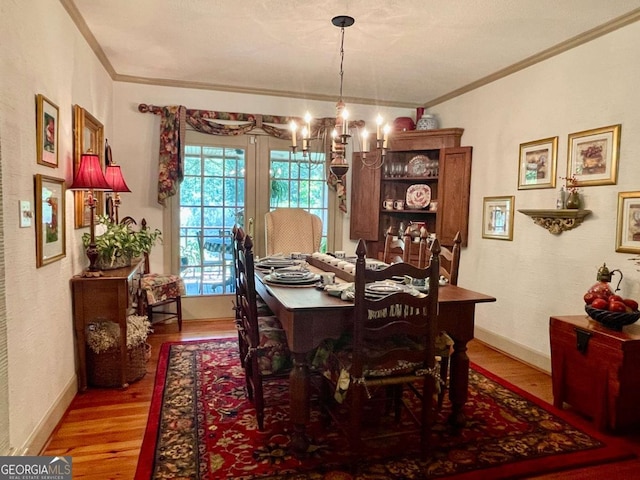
x=604, y=277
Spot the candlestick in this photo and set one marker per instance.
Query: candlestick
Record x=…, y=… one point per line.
x=294, y=128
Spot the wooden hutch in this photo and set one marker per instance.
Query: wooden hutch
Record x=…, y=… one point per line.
x=448, y=174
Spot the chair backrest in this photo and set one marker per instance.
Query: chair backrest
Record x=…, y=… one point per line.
x=238, y=245
x=248, y=296
x=292, y=230
x=394, y=246
x=396, y=323
x=450, y=260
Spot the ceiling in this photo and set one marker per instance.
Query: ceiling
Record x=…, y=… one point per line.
x=403, y=53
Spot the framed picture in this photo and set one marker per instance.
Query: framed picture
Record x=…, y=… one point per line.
x=628, y=231
x=46, y=131
x=50, y=220
x=497, y=218
x=88, y=136
x=593, y=156
x=537, y=168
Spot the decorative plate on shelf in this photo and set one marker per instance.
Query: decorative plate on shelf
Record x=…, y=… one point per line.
x=418, y=166
x=418, y=196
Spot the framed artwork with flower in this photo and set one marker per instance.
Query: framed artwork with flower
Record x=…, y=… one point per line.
x=593, y=156
x=497, y=218
x=537, y=168
x=50, y=219
x=628, y=231
x=46, y=131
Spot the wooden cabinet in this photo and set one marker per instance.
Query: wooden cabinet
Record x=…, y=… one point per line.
x=448, y=175
x=594, y=370
x=106, y=298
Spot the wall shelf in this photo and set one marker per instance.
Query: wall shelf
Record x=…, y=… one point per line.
x=557, y=220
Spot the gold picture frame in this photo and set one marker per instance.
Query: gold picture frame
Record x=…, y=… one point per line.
x=50, y=219
x=497, y=217
x=537, y=166
x=88, y=136
x=593, y=156
x=628, y=223
x=46, y=131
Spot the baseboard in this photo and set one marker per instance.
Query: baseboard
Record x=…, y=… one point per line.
x=514, y=350
x=39, y=438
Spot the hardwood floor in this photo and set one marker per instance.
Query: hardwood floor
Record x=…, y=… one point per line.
x=103, y=428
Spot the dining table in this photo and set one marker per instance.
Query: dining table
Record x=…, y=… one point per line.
x=309, y=315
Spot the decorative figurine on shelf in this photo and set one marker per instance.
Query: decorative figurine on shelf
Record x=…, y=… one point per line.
x=573, y=193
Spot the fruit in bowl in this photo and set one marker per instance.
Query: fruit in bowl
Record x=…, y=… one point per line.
x=612, y=319
x=609, y=309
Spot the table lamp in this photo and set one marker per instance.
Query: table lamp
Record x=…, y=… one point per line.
x=90, y=177
x=113, y=175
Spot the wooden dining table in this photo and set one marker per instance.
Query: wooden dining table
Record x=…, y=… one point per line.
x=309, y=315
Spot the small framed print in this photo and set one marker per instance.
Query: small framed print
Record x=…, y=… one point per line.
x=537, y=167
x=593, y=156
x=497, y=218
x=628, y=231
x=50, y=219
x=46, y=131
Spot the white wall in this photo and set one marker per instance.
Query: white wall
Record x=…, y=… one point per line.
x=539, y=274
x=41, y=52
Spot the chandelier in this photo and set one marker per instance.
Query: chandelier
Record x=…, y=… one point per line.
x=341, y=133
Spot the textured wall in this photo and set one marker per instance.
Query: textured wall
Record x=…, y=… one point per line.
x=41, y=51
x=538, y=274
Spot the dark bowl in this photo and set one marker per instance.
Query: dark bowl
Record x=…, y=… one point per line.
x=613, y=320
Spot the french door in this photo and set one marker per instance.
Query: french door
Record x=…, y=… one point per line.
x=234, y=180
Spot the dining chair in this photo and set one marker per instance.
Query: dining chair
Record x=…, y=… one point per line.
x=392, y=344
x=238, y=268
x=449, y=266
x=159, y=294
x=265, y=342
x=292, y=230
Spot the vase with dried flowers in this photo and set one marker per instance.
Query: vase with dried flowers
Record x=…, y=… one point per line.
x=573, y=192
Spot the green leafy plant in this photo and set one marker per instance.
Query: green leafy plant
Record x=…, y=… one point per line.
x=116, y=240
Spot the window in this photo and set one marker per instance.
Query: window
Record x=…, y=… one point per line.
x=297, y=183
x=211, y=202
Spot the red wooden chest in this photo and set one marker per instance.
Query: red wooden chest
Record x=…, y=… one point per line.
x=596, y=370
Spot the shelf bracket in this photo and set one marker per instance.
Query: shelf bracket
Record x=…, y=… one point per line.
x=557, y=220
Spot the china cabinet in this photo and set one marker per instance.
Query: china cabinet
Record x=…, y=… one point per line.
x=429, y=171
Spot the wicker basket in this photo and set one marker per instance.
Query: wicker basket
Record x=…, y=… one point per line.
x=103, y=369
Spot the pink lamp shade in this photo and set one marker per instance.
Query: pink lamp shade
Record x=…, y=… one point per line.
x=89, y=176
x=113, y=175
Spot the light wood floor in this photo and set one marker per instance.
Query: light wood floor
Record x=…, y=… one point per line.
x=103, y=428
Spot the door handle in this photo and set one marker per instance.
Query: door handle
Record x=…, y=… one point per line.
x=251, y=227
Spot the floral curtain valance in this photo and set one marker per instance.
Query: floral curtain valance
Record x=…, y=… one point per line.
x=172, y=134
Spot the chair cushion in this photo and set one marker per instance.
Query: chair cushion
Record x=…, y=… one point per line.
x=273, y=354
x=160, y=287
x=333, y=358
x=263, y=308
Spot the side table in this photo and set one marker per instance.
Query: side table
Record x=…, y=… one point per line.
x=108, y=297
x=595, y=370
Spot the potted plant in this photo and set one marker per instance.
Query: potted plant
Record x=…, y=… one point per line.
x=118, y=243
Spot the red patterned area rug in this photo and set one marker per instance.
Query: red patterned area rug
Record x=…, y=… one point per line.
x=201, y=426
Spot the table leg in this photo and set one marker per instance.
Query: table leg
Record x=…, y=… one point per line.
x=299, y=403
x=459, y=382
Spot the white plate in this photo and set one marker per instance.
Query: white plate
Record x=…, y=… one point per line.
x=418, y=196
x=418, y=166
x=383, y=287
x=292, y=281
x=293, y=275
